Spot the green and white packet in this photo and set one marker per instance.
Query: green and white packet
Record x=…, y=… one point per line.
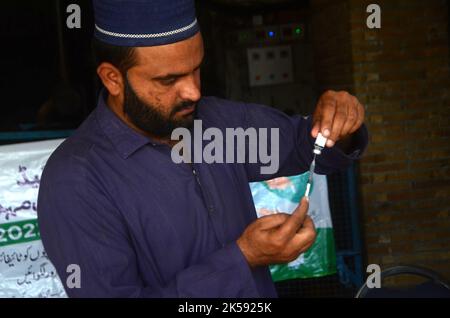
x=283, y=195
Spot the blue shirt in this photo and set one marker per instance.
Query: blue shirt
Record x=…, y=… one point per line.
x=113, y=202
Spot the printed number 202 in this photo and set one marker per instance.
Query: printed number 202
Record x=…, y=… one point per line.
x=25, y=231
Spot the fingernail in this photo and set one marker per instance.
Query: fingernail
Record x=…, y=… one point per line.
x=330, y=143
x=307, y=199
x=326, y=132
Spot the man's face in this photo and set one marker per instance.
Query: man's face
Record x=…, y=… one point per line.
x=161, y=91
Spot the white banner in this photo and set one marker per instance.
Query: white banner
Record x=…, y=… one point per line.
x=25, y=270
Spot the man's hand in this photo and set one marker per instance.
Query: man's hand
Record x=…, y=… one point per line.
x=278, y=238
x=337, y=115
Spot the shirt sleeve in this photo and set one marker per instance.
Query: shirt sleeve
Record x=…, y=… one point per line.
x=295, y=144
x=80, y=225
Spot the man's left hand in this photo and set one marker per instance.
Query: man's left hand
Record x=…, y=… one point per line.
x=337, y=115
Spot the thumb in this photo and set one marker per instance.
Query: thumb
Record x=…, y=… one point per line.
x=295, y=221
x=272, y=221
x=315, y=129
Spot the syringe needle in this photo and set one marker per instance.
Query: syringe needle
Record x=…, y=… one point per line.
x=310, y=177
x=312, y=166
x=319, y=144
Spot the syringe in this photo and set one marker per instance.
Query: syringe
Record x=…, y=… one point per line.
x=318, y=146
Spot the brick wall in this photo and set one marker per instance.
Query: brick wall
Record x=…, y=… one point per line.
x=401, y=73
x=330, y=32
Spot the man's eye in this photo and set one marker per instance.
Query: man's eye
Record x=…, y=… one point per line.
x=168, y=82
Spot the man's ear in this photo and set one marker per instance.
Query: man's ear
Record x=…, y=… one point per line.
x=111, y=78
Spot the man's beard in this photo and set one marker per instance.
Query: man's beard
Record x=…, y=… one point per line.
x=149, y=119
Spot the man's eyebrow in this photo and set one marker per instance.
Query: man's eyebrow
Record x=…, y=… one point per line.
x=175, y=75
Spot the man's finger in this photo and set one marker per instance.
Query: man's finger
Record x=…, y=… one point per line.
x=316, y=128
x=272, y=221
x=305, y=237
x=339, y=119
x=360, y=118
x=307, y=224
x=328, y=113
x=295, y=221
x=352, y=118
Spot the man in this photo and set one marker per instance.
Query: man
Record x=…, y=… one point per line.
x=114, y=203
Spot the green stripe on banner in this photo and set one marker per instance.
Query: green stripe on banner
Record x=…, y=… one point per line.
x=318, y=261
x=19, y=232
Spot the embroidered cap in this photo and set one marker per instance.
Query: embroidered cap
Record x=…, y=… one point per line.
x=144, y=22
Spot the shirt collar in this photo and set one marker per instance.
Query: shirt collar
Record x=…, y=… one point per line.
x=125, y=140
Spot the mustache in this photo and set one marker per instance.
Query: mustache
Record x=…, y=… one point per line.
x=181, y=106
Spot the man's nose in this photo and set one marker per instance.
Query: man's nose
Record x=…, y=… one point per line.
x=191, y=89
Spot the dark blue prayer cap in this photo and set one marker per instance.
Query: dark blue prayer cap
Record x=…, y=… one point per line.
x=144, y=22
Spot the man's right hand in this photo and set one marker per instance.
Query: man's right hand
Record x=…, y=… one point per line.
x=278, y=238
